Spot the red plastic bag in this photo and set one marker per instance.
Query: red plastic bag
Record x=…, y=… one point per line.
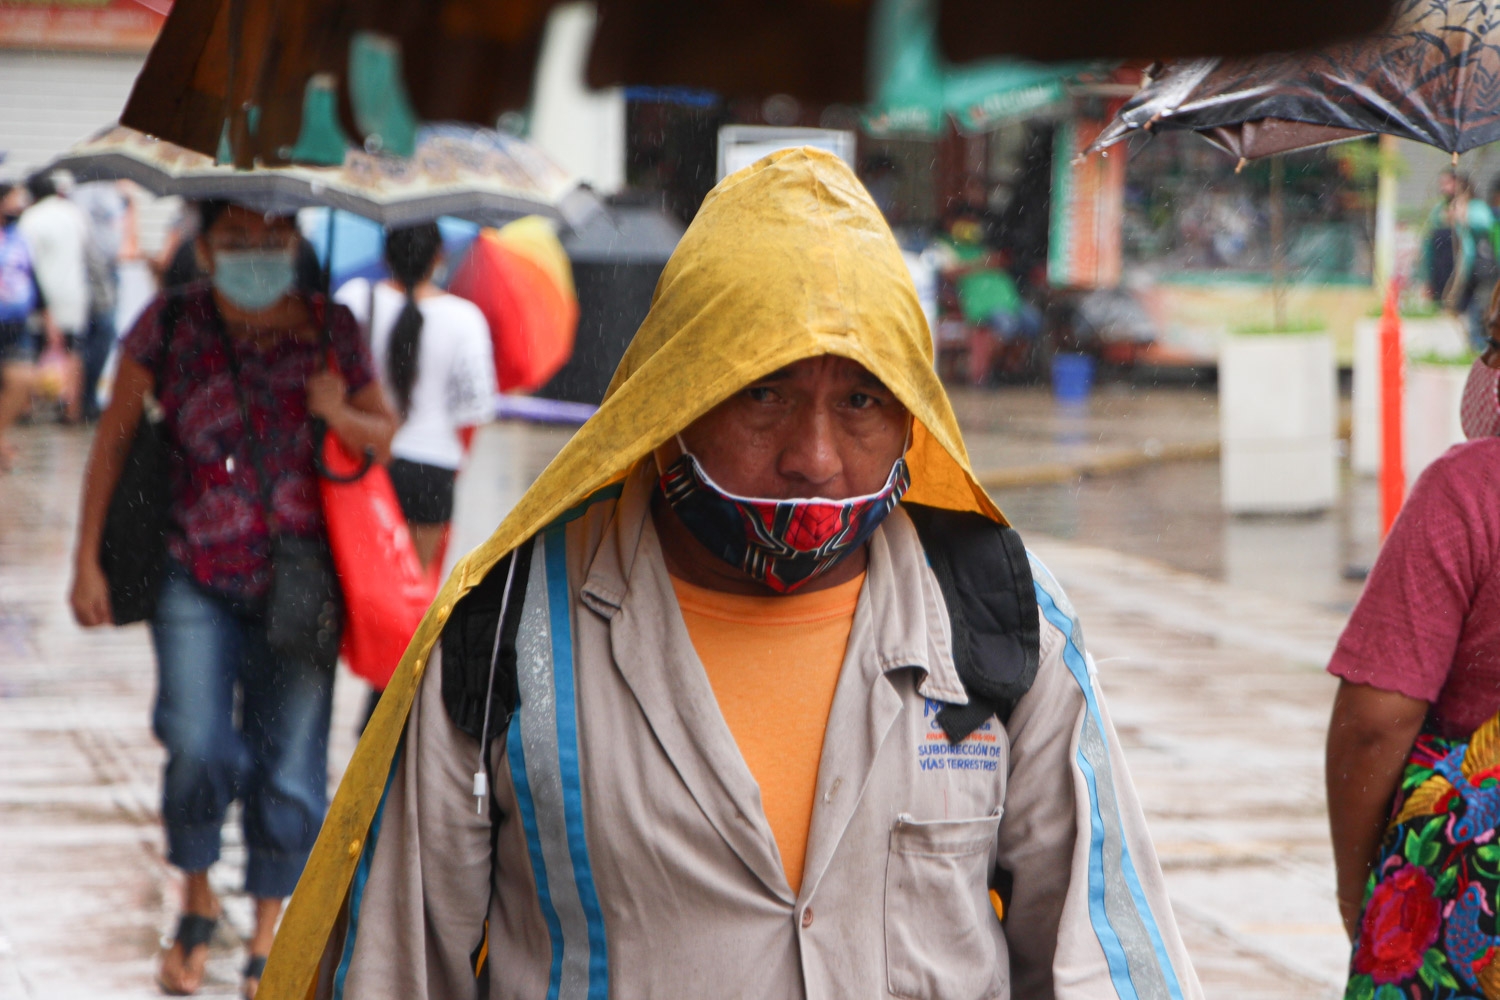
x=386, y=590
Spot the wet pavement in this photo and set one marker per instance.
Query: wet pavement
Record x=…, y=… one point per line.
x=1210, y=635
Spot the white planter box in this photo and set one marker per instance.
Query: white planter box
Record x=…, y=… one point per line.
x=1430, y=420
x=1440, y=335
x=1277, y=397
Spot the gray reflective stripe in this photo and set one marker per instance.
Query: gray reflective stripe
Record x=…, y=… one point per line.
x=1119, y=902
x=1133, y=943
x=538, y=720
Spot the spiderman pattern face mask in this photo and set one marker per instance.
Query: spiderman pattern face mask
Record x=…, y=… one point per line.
x=781, y=543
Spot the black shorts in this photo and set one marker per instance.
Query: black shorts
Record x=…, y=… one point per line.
x=425, y=492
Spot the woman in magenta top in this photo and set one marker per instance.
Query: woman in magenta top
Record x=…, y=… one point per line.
x=1419, y=663
x=239, y=719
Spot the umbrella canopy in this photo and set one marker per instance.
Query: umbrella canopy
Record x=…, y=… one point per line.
x=1274, y=136
x=1432, y=75
x=359, y=244
x=623, y=235
x=521, y=280
x=396, y=61
x=457, y=170
x=917, y=91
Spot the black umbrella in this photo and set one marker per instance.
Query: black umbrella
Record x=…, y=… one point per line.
x=1433, y=76
x=617, y=257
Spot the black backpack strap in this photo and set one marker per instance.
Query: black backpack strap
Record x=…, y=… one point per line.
x=985, y=578
x=468, y=643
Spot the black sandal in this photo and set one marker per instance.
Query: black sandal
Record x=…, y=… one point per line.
x=194, y=931
x=255, y=968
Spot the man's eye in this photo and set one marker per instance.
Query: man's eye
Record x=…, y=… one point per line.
x=863, y=400
x=761, y=394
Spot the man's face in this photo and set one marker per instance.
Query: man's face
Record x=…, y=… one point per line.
x=1447, y=185
x=822, y=427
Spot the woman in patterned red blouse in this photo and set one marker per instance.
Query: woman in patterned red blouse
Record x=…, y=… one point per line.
x=208, y=628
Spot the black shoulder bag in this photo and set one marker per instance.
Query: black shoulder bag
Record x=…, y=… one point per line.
x=133, y=545
x=304, y=611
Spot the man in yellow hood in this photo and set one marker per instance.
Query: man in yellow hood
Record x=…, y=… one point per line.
x=755, y=693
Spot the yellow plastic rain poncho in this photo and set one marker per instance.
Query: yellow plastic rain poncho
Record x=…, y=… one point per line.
x=787, y=259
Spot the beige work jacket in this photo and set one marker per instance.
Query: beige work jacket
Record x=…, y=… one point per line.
x=632, y=858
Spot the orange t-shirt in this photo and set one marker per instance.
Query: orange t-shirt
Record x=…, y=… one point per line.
x=773, y=663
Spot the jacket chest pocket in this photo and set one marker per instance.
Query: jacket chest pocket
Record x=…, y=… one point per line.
x=940, y=930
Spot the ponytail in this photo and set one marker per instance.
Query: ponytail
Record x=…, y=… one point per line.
x=409, y=254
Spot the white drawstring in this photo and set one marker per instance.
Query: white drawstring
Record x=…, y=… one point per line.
x=481, y=779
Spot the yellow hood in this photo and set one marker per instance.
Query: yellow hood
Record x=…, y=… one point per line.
x=787, y=259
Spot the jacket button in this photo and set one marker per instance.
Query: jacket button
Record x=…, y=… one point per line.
x=807, y=917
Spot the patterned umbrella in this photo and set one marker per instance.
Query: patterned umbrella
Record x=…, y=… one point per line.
x=457, y=170
x=1433, y=75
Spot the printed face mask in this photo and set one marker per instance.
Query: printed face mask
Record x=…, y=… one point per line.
x=781, y=543
x=1480, y=410
x=254, y=280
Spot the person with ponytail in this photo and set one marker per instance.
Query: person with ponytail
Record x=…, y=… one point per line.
x=433, y=353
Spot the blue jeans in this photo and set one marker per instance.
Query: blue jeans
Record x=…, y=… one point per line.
x=95, y=349
x=238, y=722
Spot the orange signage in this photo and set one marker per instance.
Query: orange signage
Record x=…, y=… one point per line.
x=1088, y=201
x=82, y=25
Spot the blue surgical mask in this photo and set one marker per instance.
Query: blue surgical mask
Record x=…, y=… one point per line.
x=254, y=280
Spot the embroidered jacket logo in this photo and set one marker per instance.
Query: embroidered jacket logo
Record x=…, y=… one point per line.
x=979, y=751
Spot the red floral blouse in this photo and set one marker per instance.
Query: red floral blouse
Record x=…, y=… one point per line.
x=218, y=530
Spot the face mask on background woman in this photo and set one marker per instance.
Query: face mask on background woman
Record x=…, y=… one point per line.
x=254, y=280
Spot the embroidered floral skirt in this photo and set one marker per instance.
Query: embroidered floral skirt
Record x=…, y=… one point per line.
x=1428, y=928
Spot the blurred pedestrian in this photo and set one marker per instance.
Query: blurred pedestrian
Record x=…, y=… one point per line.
x=1459, y=253
x=1494, y=202
x=1414, y=741
x=177, y=263
x=104, y=207
x=239, y=717
x=18, y=300
x=998, y=320
x=435, y=359
x=57, y=232
x=882, y=178
x=1472, y=216
x=434, y=356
